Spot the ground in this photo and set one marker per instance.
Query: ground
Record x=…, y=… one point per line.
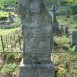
x=66, y=64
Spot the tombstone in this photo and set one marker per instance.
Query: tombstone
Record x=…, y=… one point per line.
x=64, y=30
x=74, y=38
x=11, y=18
x=74, y=17
x=55, y=23
x=37, y=34
x=75, y=48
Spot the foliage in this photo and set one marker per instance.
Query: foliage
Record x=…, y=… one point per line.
x=5, y=14
x=2, y=7
x=61, y=72
x=73, y=9
x=62, y=11
x=66, y=64
x=62, y=40
x=68, y=16
x=62, y=44
x=8, y=1
x=13, y=56
x=8, y=31
x=70, y=22
x=2, y=14
x=8, y=68
x=64, y=3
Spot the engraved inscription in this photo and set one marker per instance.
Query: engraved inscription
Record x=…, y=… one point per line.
x=37, y=43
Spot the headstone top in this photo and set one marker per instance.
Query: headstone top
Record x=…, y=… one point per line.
x=74, y=38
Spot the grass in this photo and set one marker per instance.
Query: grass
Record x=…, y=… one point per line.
x=61, y=40
x=61, y=43
x=66, y=64
x=7, y=31
x=66, y=60
x=73, y=1
x=5, y=14
x=70, y=22
x=8, y=1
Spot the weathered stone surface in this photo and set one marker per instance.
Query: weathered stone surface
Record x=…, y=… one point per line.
x=37, y=33
x=64, y=30
x=55, y=23
x=36, y=70
x=74, y=38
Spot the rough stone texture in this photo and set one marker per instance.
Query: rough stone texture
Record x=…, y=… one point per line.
x=36, y=70
x=55, y=23
x=74, y=38
x=64, y=30
x=37, y=31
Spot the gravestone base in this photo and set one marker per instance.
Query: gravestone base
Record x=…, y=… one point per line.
x=37, y=70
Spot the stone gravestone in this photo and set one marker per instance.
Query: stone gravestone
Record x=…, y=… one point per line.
x=55, y=23
x=75, y=48
x=37, y=33
x=74, y=38
x=64, y=30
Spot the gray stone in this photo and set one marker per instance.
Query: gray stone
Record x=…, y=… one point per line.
x=75, y=48
x=74, y=17
x=65, y=30
x=37, y=33
x=36, y=70
x=55, y=23
x=74, y=38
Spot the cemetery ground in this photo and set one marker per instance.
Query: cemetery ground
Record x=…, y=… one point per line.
x=64, y=55
x=10, y=55
x=68, y=20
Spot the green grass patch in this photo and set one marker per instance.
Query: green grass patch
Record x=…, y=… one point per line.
x=7, y=31
x=70, y=22
x=5, y=14
x=8, y=1
x=66, y=64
